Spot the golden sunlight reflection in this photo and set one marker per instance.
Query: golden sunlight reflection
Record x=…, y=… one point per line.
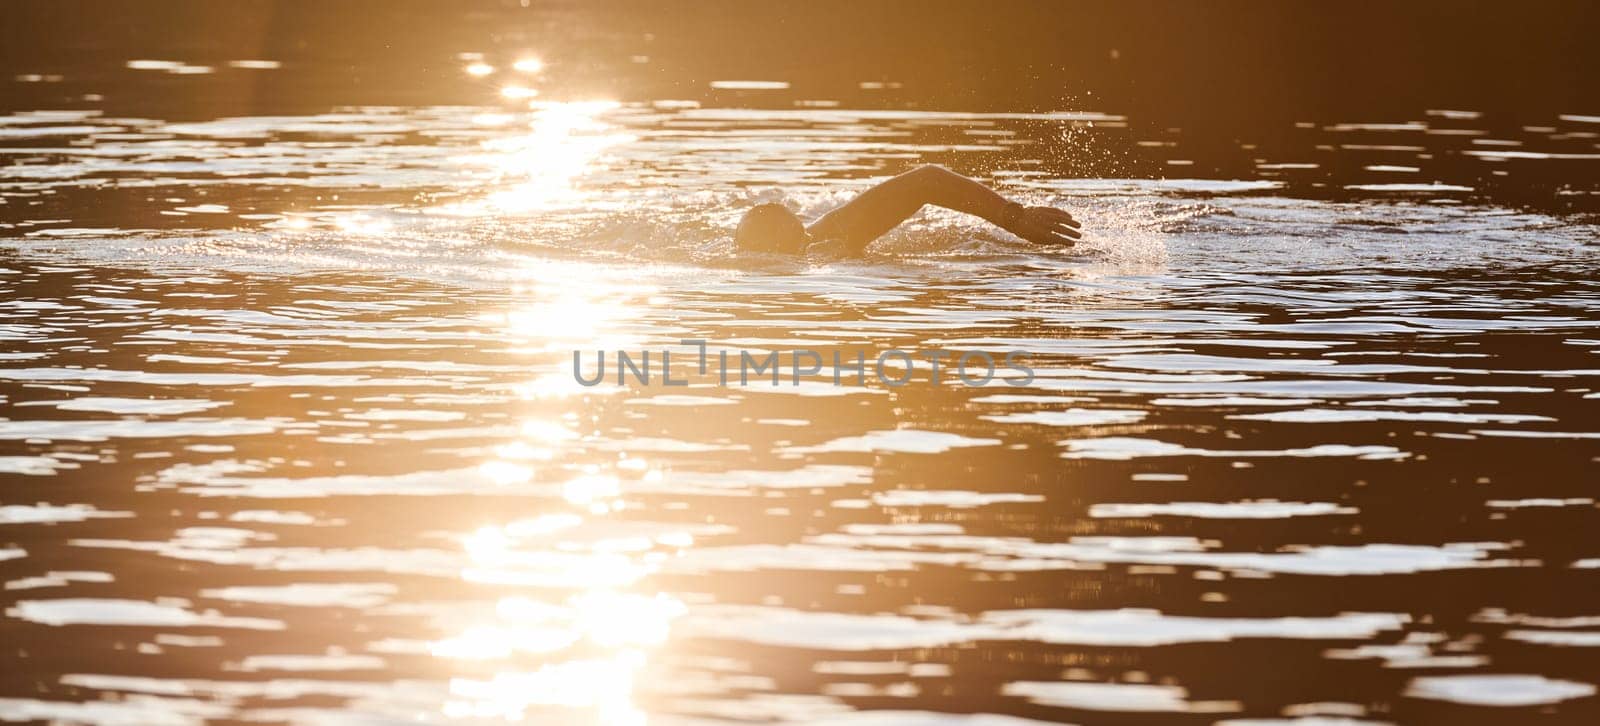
x=614, y=619
x=569, y=309
x=528, y=65
x=521, y=451
x=492, y=119
x=479, y=69
x=568, y=645
x=597, y=492
x=574, y=319
x=540, y=443
x=517, y=93
x=362, y=224
x=542, y=169
x=572, y=658
x=601, y=686
x=505, y=473
x=559, y=384
x=547, y=431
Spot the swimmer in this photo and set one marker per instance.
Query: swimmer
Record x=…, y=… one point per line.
x=772, y=228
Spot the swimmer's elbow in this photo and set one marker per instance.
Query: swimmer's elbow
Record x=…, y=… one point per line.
x=922, y=181
x=930, y=172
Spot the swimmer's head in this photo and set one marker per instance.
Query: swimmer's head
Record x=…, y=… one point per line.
x=771, y=228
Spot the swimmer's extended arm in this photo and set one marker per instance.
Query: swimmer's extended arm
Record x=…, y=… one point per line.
x=879, y=209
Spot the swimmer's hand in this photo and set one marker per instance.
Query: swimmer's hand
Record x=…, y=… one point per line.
x=1041, y=225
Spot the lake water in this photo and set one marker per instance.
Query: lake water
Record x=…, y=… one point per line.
x=291, y=432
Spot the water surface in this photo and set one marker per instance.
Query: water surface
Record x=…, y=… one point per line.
x=291, y=434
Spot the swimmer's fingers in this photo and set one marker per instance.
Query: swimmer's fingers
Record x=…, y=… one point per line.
x=1070, y=233
x=1056, y=236
x=1047, y=226
x=1056, y=216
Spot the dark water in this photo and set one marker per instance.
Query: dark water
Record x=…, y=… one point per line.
x=290, y=432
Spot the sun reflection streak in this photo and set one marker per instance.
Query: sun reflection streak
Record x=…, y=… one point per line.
x=541, y=169
x=597, y=492
x=569, y=645
x=505, y=473
x=604, y=685
x=571, y=308
x=605, y=630
x=592, y=634
x=600, y=615
x=538, y=171
x=564, y=319
x=362, y=224
x=612, y=619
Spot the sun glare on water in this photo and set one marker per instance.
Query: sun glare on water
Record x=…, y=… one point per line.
x=575, y=657
x=576, y=640
x=588, y=646
x=543, y=168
